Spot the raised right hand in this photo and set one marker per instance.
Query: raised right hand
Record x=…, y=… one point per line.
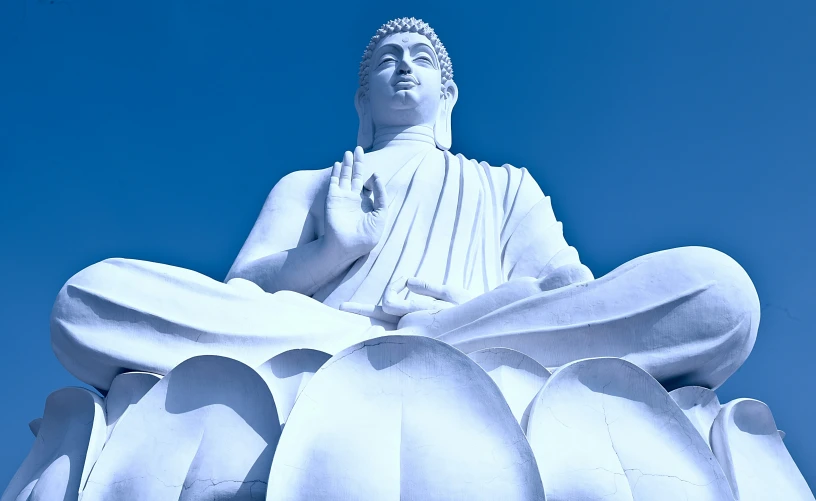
x=354, y=222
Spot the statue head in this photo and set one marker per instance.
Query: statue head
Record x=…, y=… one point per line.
x=406, y=79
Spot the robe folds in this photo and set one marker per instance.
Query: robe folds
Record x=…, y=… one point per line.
x=456, y=222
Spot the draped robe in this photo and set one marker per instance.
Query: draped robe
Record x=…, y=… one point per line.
x=455, y=223
x=689, y=316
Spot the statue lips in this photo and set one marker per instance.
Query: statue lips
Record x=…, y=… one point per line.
x=406, y=83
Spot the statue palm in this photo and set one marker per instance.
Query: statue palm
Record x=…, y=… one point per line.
x=354, y=221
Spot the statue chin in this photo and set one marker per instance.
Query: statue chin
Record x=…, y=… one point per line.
x=406, y=99
x=404, y=108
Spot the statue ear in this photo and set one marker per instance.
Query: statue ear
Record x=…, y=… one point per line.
x=365, y=132
x=442, y=127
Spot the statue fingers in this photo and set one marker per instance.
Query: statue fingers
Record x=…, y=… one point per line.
x=357, y=171
x=335, y=174
x=445, y=293
x=395, y=287
x=425, y=288
x=392, y=303
x=402, y=307
x=397, y=307
x=345, y=170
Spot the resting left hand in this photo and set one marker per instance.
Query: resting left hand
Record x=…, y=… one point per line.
x=432, y=297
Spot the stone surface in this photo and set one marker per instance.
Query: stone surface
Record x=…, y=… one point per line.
x=604, y=429
x=287, y=374
x=758, y=465
x=402, y=417
x=206, y=431
x=700, y=405
x=126, y=390
x=518, y=376
x=69, y=440
x=54, y=481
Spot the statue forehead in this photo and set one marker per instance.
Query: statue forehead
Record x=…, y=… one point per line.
x=405, y=40
x=411, y=27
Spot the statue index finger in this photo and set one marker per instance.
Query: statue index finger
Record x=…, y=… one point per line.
x=345, y=171
x=357, y=171
x=335, y=174
x=424, y=288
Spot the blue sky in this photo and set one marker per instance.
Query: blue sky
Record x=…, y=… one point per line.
x=154, y=130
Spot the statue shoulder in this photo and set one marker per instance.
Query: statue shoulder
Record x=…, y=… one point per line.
x=488, y=166
x=506, y=174
x=301, y=185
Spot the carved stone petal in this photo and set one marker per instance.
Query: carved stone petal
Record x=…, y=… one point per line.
x=126, y=390
x=288, y=373
x=207, y=430
x=518, y=376
x=403, y=417
x=745, y=439
x=70, y=437
x=700, y=405
x=603, y=428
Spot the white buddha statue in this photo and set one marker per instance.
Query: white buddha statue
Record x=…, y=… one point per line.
x=404, y=235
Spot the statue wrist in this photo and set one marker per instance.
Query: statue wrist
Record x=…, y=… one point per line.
x=331, y=252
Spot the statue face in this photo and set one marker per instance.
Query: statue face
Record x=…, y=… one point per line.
x=405, y=82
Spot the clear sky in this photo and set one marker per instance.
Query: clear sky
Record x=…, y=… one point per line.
x=154, y=130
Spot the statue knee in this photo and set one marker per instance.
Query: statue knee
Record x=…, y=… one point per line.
x=710, y=312
x=732, y=287
x=67, y=302
x=727, y=307
x=73, y=338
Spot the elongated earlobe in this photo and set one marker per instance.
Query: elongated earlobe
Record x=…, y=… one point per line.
x=365, y=132
x=442, y=126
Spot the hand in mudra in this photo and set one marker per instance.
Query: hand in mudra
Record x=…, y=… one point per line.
x=430, y=297
x=354, y=222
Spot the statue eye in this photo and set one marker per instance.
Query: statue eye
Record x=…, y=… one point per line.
x=387, y=59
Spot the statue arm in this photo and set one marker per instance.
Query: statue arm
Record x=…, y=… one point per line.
x=283, y=251
x=536, y=248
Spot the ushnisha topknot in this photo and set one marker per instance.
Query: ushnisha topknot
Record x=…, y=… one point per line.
x=406, y=25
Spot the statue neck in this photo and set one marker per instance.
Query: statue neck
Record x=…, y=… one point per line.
x=419, y=135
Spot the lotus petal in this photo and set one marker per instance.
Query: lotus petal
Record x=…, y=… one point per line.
x=288, y=373
x=700, y=405
x=53, y=483
x=70, y=437
x=758, y=465
x=518, y=376
x=402, y=417
x=126, y=390
x=207, y=430
x=603, y=428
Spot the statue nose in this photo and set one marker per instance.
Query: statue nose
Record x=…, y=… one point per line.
x=404, y=68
